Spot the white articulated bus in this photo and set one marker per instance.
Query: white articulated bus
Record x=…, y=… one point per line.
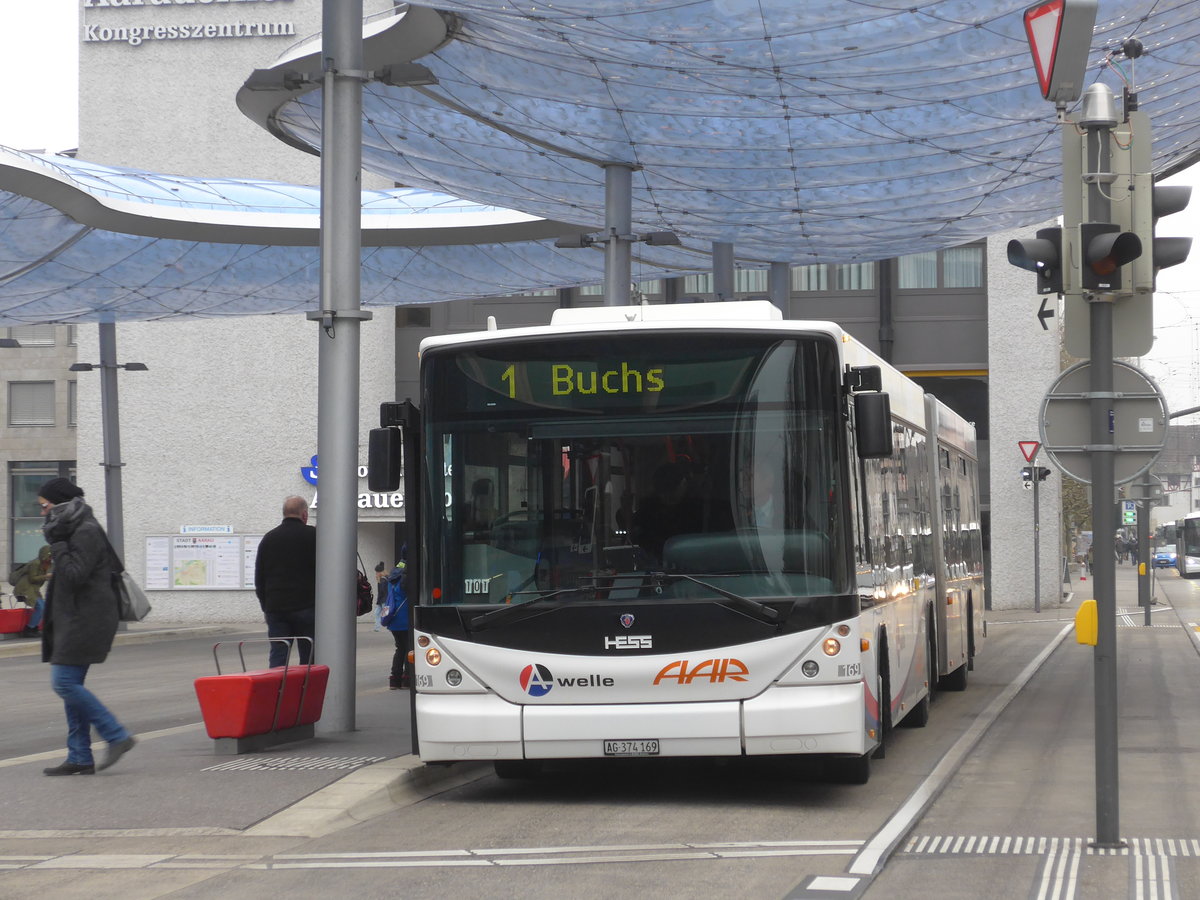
x=689, y=530
x=1187, y=545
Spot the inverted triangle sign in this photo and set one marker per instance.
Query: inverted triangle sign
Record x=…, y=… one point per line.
x=1029, y=449
x=1043, y=24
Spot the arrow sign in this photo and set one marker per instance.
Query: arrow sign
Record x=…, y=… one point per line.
x=1043, y=314
x=1029, y=449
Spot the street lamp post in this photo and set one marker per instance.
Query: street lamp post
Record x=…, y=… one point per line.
x=110, y=426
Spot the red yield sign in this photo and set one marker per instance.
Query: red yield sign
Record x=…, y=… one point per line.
x=1029, y=449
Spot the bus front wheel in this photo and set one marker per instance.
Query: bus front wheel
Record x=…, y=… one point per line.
x=518, y=768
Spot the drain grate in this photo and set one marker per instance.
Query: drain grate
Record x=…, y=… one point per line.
x=293, y=763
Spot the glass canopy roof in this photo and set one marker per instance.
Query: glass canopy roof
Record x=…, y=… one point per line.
x=837, y=131
x=80, y=242
x=802, y=132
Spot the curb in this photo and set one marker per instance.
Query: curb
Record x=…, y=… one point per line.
x=33, y=646
x=365, y=794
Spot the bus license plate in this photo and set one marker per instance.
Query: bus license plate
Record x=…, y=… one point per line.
x=643, y=747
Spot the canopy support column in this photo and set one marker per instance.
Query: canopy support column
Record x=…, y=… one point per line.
x=618, y=227
x=338, y=356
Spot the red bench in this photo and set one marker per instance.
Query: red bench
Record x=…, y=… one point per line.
x=13, y=621
x=263, y=701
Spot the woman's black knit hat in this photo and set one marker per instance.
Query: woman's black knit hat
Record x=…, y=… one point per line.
x=59, y=490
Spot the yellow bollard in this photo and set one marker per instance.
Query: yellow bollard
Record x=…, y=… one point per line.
x=1087, y=623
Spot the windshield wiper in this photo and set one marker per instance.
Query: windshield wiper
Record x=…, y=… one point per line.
x=758, y=610
x=495, y=616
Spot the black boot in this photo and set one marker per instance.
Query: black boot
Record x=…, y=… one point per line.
x=70, y=768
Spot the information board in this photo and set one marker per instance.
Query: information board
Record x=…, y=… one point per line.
x=190, y=562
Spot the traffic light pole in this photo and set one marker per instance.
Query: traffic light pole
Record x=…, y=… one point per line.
x=1037, y=537
x=1101, y=453
x=1145, y=558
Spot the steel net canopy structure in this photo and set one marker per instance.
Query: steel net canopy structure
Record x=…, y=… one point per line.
x=801, y=132
x=835, y=132
x=82, y=242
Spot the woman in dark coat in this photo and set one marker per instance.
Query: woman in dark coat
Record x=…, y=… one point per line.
x=80, y=623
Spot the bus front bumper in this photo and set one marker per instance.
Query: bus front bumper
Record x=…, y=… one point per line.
x=781, y=720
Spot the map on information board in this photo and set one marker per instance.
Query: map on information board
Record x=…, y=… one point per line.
x=212, y=562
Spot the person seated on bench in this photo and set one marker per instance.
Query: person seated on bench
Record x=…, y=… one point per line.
x=28, y=589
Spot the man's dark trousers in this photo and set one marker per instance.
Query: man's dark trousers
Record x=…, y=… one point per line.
x=286, y=624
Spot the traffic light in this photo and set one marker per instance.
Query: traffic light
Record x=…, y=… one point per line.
x=1042, y=472
x=1029, y=473
x=1106, y=248
x=1165, y=251
x=1042, y=255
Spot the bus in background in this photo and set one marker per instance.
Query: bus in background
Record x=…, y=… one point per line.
x=1187, y=545
x=683, y=530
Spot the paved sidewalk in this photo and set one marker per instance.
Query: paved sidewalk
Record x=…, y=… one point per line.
x=304, y=788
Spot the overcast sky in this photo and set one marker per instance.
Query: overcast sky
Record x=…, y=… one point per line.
x=39, y=50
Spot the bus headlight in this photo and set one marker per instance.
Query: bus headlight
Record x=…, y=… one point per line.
x=433, y=656
x=454, y=678
x=831, y=646
x=810, y=668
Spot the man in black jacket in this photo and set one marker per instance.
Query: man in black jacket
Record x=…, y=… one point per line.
x=285, y=580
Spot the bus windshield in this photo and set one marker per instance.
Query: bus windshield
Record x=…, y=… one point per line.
x=634, y=467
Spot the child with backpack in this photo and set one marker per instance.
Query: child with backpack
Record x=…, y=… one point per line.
x=396, y=620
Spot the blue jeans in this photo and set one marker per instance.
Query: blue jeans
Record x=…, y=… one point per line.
x=84, y=710
x=35, y=618
x=290, y=623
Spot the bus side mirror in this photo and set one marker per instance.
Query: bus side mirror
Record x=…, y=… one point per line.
x=873, y=425
x=384, y=459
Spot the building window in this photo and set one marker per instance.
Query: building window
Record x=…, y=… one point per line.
x=750, y=281
x=31, y=403
x=843, y=277
x=72, y=335
x=33, y=335
x=72, y=403
x=918, y=270
x=25, y=516
x=962, y=267
x=958, y=267
x=856, y=276
x=810, y=278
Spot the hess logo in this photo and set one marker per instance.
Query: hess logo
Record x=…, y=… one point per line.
x=712, y=671
x=629, y=642
x=536, y=680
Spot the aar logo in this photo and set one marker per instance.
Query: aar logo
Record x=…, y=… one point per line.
x=711, y=671
x=536, y=680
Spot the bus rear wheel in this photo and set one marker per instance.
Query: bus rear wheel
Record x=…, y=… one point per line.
x=918, y=716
